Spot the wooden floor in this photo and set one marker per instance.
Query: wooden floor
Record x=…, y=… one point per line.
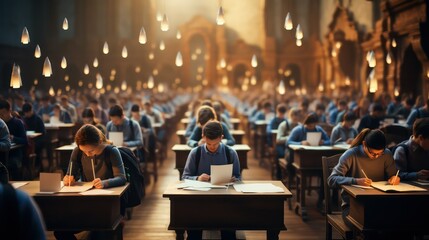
x=150, y=220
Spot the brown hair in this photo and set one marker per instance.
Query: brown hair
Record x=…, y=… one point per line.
x=374, y=139
x=89, y=134
x=205, y=114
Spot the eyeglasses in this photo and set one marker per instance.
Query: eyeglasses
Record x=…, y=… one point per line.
x=373, y=154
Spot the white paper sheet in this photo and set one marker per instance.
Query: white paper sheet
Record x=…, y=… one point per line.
x=220, y=174
x=197, y=184
x=314, y=138
x=19, y=184
x=77, y=188
x=97, y=192
x=257, y=188
x=117, y=138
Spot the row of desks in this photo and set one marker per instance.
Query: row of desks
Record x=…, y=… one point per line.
x=236, y=134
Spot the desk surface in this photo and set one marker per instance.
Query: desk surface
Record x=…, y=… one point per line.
x=58, y=125
x=236, y=147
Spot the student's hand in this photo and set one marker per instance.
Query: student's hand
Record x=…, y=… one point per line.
x=423, y=174
x=97, y=183
x=204, y=177
x=233, y=179
x=363, y=181
x=349, y=141
x=394, y=180
x=68, y=180
x=321, y=142
x=125, y=144
x=201, y=142
x=306, y=143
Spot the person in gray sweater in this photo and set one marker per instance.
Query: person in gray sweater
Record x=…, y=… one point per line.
x=366, y=161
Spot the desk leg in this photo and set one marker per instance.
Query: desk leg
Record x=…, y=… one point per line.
x=273, y=234
x=180, y=234
x=180, y=173
x=300, y=205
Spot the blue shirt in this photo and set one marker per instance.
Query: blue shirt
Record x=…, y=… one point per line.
x=299, y=134
x=207, y=159
x=132, y=138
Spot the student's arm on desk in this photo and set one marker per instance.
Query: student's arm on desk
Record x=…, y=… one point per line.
x=190, y=171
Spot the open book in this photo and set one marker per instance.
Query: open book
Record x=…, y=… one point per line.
x=401, y=187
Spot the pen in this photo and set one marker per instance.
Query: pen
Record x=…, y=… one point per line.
x=339, y=139
x=364, y=173
x=71, y=165
x=92, y=163
x=396, y=176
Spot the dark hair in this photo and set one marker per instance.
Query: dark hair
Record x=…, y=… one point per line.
x=421, y=127
x=349, y=116
x=311, y=118
x=94, y=101
x=88, y=113
x=27, y=107
x=135, y=108
x=377, y=108
x=89, y=134
x=267, y=104
x=281, y=108
x=212, y=129
x=374, y=139
x=205, y=114
x=320, y=106
x=116, y=111
x=206, y=102
x=4, y=104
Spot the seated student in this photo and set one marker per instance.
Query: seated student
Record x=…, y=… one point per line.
x=372, y=120
x=298, y=135
x=418, y=112
x=205, y=114
x=148, y=133
x=59, y=115
x=368, y=153
x=4, y=138
x=213, y=152
x=35, y=123
x=217, y=106
x=99, y=162
x=411, y=157
x=130, y=128
x=344, y=131
x=276, y=121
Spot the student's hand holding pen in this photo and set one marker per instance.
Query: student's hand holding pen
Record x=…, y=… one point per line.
x=97, y=183
x=204, y=177
x=68, y=180
x=363, y=181
x=394, y=180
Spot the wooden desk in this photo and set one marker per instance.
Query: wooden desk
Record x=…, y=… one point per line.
x=236, y=134
x=372, y=210
x=235, y=123
x=75, y=212
x=227, y=210
x=182, y=151
x=64, y=131
x=33, y=135
x=259, y=139
x=308, y=162
x=185, y=122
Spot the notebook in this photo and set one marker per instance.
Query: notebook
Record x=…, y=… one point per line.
x=402, y=187
x=50, y=182
x=314, y=138
x=117, y=138
x=220, y=174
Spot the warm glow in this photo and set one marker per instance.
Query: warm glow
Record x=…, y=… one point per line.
x=292, y=82
x=65, y=24
x=396, y=91
x=160, y=87
x=113, y=71
x=80, y=83
x=347, y=81
x=59, y=92
x=25, y=37
x=373, y=84
x=178, y=34
x=334, y=52
x=95, y=63
x=47, y=68
x=51, y=91
x=220, y=19
x=332, y=86
x=164, y=23
x=137, y=69
x=282, y=88
x=321, y=88
x=124, y=85
x=64, y=63
x=288, y=22
x=151, y=56
x=116, y=90
x=142, y=36
x=303, y=91
x=298, y=34
x=98, y=81
x=15, y=78
x=179, y=60
x=388, y=58
x=37, y=52
x=338, y=45
x=124, y=52
x=299, y=42
x=245, y=87
x=150, y=82
x=298, y=92
x=68, y=88
x=394, y=44
x=225, y=80
x=86, y=69
x=253, y=80
x=222, y=63
x=372, y=61
x=36, y=81
x=158, y=17
x=105, y=48
x=194, y=56
x=155, y=72
x=200, y=69
x=254, y=61
x=66, y=78
x=162, y=45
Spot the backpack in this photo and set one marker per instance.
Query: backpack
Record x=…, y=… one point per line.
x=136, y=190
x=198, y=156
x=402, y=144
x=9, y=221
x=4, y=174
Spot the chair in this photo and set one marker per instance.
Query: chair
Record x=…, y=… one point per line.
x=334, y=219
x=395, y=134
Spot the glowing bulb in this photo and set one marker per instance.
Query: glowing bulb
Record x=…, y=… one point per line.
x=66, y=78
x=179, y=60
x=253, y=80
x=86, y=69
x=396, y=91
x=47, y=68
x=124, y=85
x=321, y=87
x=64, y=63
x=332, y=85
x=155, y=72
x=222, y=63
x=288, y=22
x=372, y=61
x=254, y=61
x=303, y=91
x=164, y=23
x=68, y=88
x=178, y=34
x=150, y=82
x=220, y=19
x=298, y=42
x=373, y=84
x=25, y=37
x=15, y=78
x=151, y=56
x=65, y=24
x=347, y=81
x=162, y=45
x=394, y=44
x=161, y=88
x=105, y=48
x=51, y=91
x=388, y=58
x=225, y=80
x=158, y=17
x=142, y=36
x=282, y=88
x=36, y=82
x=298, y=33
x=292, y=82
x=80, y=83
x=37, y=52
x=95, y=63
x=99, y=81
x=338, y=45
x=124, y=52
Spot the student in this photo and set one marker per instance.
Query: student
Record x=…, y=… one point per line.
x=344, y=131
x=20, y=216
x=99, y=163
x=419, y=112
x=88, y=117
x=213, y=152
x=205, y=114
x=368, y=153
x=298, y=135
x=276, y=121
x=4, y=141
x=59, y=115
x=35, y=123
x=119, y=123
x=372, y=121
x=411, y=157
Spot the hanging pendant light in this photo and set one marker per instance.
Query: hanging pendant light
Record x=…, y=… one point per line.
x=321, y=88
x=63, y=63
x=47, y=68
x=98, y=81
x=25, y=37
x=37, y=52
x=179, y=59
x=86, y=69
x=65, y=24
x=394, y=44
x=15, y=78
x=396, y=91
x=51, y=91
x=178, y=35
x=347, y=81
x=253, y=80
x=298, y=34
x=220, y=19
x=95, y=63
x=124, y=85
x=288, y=22
x=142, y=36
x=162, y=45
x=164, y=23
x=372, y=62
x=124, y=52
x=373, y=84
x=150, y=82
x=225, y=80
x=222, y=63
x=298, y=42
x=105, y=48
x=388, y=58
x=254, y=61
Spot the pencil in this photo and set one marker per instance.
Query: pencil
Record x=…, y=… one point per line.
x=364, y=173
x=339, y=139
x=92, y=163
x=396, y=176
x=71, y=165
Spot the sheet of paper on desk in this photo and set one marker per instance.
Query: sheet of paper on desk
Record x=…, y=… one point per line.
x=422, y=182
x=364, y=187
x=316, y=147
x=197, y=184
x=97, y=192
x=257, y=188
x=19, y=184
x=402, y=187
x=220, y=174
x=77, y=188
